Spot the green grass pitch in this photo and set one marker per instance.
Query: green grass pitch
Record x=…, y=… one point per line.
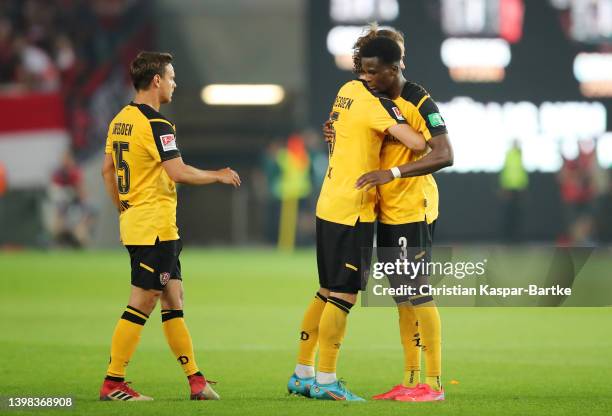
x=244, y=307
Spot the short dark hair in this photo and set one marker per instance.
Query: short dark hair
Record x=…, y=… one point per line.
x=146, y=65
x=383, y=48
x=371, y=33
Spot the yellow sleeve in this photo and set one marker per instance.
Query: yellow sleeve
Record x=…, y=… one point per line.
x=384, y=114
x=416, y=120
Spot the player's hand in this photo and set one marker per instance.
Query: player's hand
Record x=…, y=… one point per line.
x=229, y=177
x=328, y=131
x=376, y=177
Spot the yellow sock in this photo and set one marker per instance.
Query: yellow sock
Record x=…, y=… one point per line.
x=179, y=339
x=431, y=340
x=309, y=335
x=409, y=334
x=434, y=382
x=331, y=332
x=125, y=339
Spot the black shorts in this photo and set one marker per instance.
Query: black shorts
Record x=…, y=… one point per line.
x=413, y=234
x=339, y=255
x=154, y=266
x=411, y=241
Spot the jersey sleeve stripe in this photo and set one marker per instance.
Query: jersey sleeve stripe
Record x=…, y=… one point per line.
x=170, y=156
x=160, y=120
x=422, y=101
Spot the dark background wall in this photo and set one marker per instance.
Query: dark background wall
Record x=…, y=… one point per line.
x=540, y=70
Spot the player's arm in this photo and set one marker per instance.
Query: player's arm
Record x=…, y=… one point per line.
x=408, y=136
x=387, y=118
x=329, y=133
x=110, y=180
x=180, y=172
x=440, y=156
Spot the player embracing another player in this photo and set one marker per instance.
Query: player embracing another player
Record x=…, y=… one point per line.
x=363, y=116
x=407, y=214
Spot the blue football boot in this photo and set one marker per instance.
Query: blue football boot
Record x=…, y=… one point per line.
x=333, y=391
x=300, y=386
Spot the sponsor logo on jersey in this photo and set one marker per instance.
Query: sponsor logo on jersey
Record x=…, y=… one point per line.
x=398, y=113
x=168, y=142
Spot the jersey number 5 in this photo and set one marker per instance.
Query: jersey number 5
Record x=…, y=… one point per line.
x=123, y=181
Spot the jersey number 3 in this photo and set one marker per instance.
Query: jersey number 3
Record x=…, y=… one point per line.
x=123, y=180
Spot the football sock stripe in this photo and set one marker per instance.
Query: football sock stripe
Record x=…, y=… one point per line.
x=134, y=316
x=137, y=312
x=340, y=303
x=168, y=314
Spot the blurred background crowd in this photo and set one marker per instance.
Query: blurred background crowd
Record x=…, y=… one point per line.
x=525, y=88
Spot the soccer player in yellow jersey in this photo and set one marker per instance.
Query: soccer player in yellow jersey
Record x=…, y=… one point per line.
x=362, y=115
x=408, y=209
x=141, y=165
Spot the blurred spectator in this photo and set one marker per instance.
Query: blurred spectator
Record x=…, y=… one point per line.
x=8, y=57
x=36, y=70
x=271, y=170
x=3, y=180
x=317, y=150
x=71, y=219
x=295, y=187
x=65, y=57
x=603, y=223
x=71, y=47
x=513, y=181
x=317, y=153
x=288, y=172
x=578, y=193
x=600, y=179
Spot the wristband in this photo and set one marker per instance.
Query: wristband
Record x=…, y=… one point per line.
x=396, y=172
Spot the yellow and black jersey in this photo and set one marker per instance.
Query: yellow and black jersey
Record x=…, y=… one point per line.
x=140, y=138
x=410, y=199
x=360, y=119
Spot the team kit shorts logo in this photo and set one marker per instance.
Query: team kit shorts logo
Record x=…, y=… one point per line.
x=168, y=142
x=164, y=278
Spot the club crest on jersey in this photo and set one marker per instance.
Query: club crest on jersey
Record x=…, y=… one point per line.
x=164, y=278
x=168, y=142
x=398, y=113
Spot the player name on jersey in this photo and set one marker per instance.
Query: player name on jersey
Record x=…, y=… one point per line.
x=123, y=129
x=343, y=102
